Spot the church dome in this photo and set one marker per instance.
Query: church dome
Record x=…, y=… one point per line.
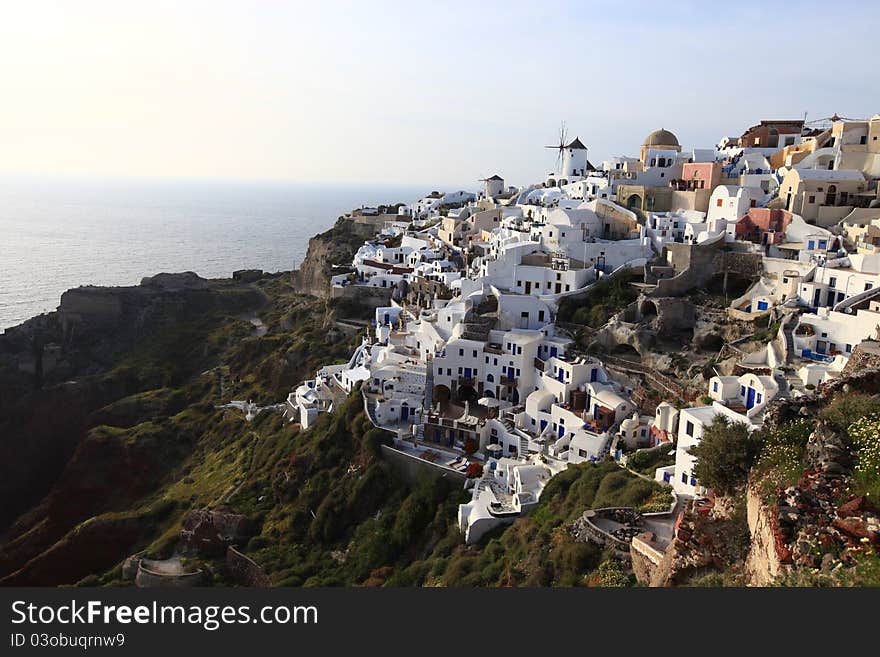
x=661, y=137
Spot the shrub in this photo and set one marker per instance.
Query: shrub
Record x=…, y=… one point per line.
x=865, y=434
x=610, y=574
x=725, y=455
x=846, y=408
x=781, y=459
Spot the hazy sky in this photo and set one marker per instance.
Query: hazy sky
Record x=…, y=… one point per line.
x=440, y=93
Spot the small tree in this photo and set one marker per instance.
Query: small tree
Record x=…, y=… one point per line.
x=725, y=455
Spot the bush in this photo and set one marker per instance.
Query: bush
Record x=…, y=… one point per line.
x=780, y=462
x=865, y=434
x=725, y=455
x=845, y=409
x=610, y=574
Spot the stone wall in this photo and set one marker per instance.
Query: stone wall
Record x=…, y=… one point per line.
x=696, y=264
x=866, y=355
x=147, y=578
x=762, y=563
x=374, y=297
x=244, y=570
x=412, y=468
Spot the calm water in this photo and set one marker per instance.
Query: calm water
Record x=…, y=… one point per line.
x=59, y=234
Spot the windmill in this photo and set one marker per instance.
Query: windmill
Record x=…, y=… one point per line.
x=563, y=135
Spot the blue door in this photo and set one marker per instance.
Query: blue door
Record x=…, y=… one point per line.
x=561, y=431
x=404, y=413
x=467, y=372
x=762, y=305
x=594, y=374
x=553, y=351
x=543, y=425
x=387, y=318
x=750, y=400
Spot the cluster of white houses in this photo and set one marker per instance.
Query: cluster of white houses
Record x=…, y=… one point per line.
x=466, y=365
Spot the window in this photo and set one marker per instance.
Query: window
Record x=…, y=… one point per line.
x=689, y=428
x=868, y=286
x=849, y=348
x=540, y=315
x=832, y=282
x=784, y=281
x=759, y=397
x=715, y=386
x=719, y=203
x=811, y=199
x=742, y=391
x=684, y=477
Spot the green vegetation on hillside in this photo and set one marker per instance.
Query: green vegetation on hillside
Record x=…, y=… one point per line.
x=604, y=299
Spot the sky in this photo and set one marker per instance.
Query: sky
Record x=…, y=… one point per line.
x=435, y=93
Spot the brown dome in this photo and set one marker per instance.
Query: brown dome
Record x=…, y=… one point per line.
x=661, y=137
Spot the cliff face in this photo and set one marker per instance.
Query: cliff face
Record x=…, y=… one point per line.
x=58, y=369
x=762, y=563
x=335, y=247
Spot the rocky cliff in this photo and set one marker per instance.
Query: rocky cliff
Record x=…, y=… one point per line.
x=58, y=369
x=332, y=249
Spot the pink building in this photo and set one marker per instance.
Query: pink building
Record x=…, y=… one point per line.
x=698, y=175
x=763, y=226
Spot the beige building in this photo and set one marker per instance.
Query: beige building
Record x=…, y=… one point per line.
x=858, y=145
x=460, y=232
x=822, y=197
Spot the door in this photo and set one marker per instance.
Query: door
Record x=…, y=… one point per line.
x=553, y=352
x=528, y=287
x=404, y=413
x=750, y=400
x=543, y=425
x=594, y=374
x=558, y=288
x=816, y=298
x=467, y=372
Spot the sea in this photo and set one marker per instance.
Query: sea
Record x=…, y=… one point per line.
x=60, y=233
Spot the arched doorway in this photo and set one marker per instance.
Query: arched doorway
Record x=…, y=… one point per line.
x=648, y=310
x=634, y=202
x=467, y=394
x=441, y=394
x=831, y=196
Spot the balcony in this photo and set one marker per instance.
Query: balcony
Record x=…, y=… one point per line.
x=467, y=381
x=508, y=381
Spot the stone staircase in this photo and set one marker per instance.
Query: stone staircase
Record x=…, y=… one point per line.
x=370, y=408
x=429, y=385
